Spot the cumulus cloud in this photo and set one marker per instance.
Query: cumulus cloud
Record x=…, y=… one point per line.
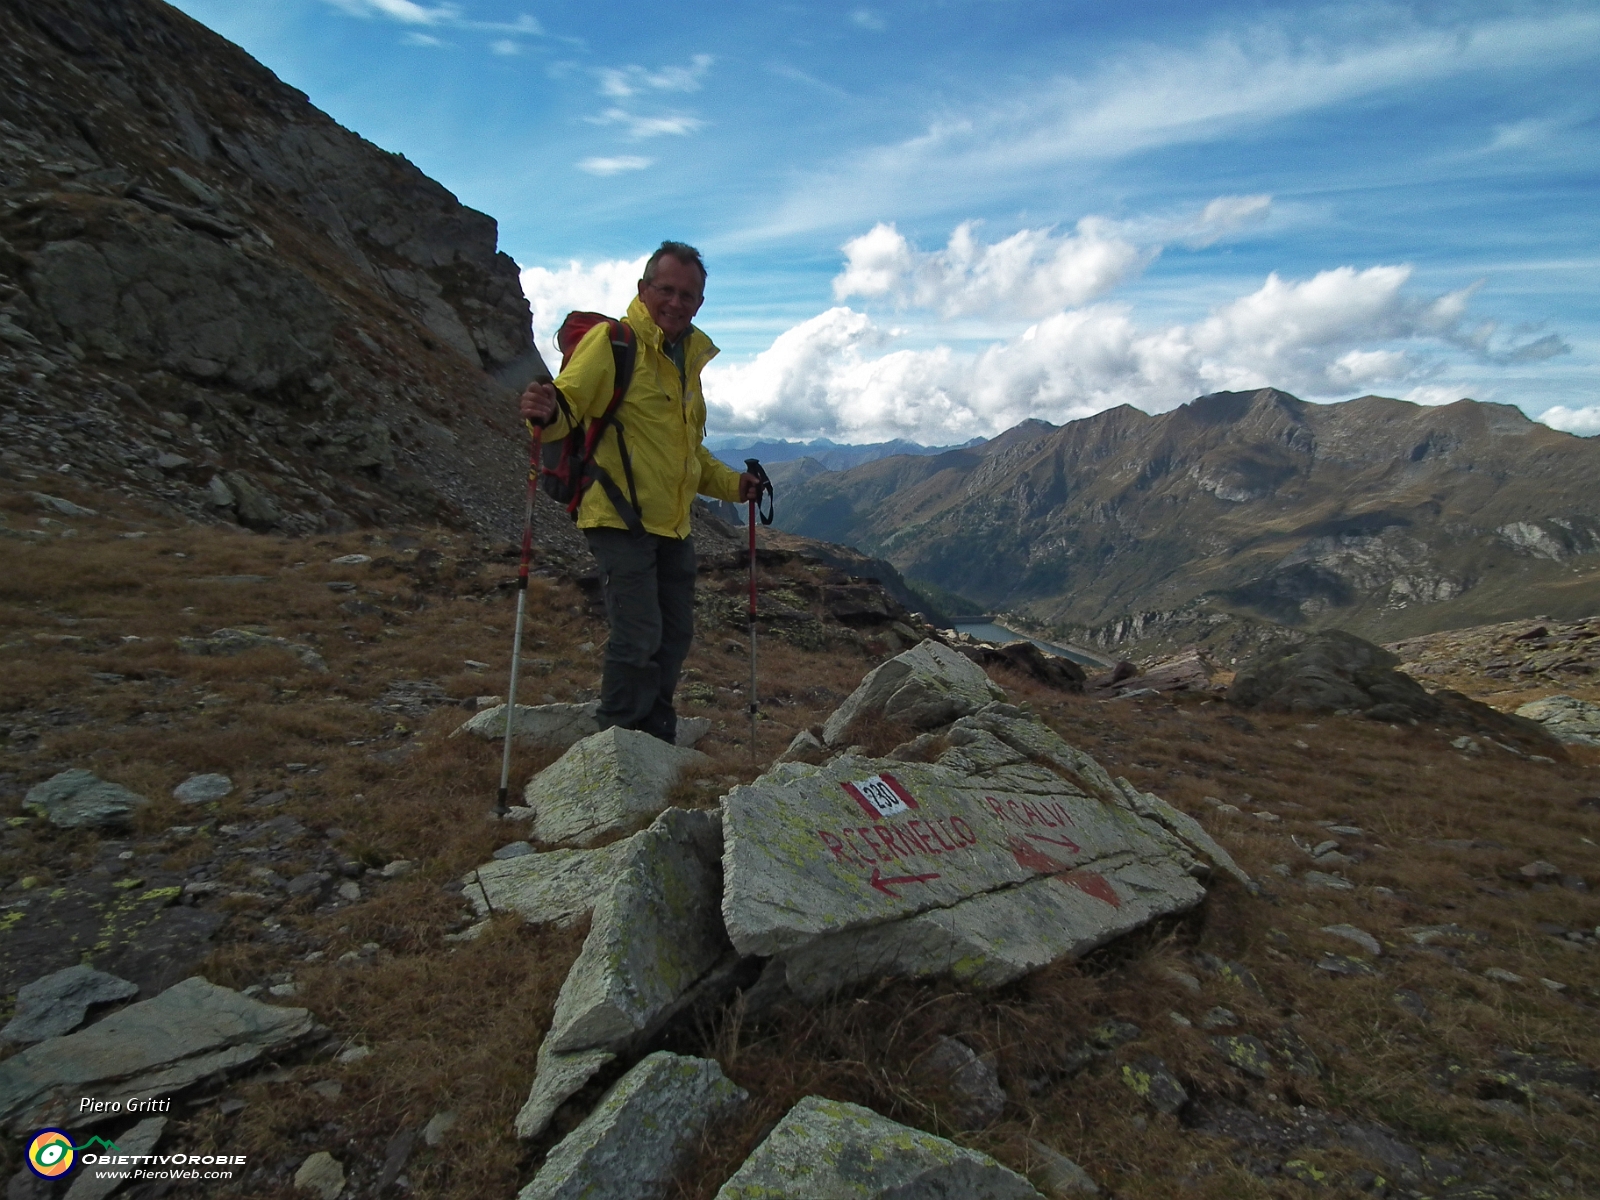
x=404, y=11
x=614, y=165
x=604, y=287
x=1030, y=273
x=647, y=127
x=1585, y=421
x=838, y=375
x=622, y=82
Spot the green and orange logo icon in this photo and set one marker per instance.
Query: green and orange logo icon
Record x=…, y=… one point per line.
x=51, y=1153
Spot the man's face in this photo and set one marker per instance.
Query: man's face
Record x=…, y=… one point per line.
x=673, y=296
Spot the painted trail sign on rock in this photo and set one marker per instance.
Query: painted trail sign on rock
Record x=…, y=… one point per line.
x=1011, y=851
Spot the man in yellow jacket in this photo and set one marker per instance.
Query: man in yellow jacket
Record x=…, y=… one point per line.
x=648, y=577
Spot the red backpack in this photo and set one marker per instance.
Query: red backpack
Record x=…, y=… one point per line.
x=569, y=466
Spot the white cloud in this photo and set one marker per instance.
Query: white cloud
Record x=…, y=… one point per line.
x=646, y=127
x=1199, y=92
x=421, y=39
x=605, y=287
x=614, y=165
x=1340, y=331
x=505, y=47
x=1030, y=273
x=622, y=82
x=1585, y=422
x=1225, y=215
x=867, y=19
x=405, y=11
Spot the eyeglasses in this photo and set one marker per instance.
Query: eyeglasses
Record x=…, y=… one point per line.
x=672, y=293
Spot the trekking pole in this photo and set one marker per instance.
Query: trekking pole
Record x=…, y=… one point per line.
x=753, y=466
x=534, y=464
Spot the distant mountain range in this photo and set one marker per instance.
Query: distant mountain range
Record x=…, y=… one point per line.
x=831, y=456
x=1375, y=515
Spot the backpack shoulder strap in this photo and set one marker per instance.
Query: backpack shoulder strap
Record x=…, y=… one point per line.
x=624, y=352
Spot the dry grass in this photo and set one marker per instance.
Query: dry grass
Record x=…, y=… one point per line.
x=456, y=1025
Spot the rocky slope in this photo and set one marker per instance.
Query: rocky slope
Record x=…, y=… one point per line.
x=212, y=293
x=1375, y=515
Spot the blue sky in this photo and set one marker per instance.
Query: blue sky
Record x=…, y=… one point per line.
x=934, y=219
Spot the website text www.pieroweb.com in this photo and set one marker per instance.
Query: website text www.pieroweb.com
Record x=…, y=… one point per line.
x=133, y=1156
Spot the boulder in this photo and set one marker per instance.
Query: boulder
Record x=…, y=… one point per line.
x=828, y=1148
x=192, y=1030
x=1010, y=851
x=929, y=685
x=1328, y=672
x=1569, y=720
x=655, y=935
x=968, y=1081
x=141, y=1139
x=79, y=799
x=638, y=1135
x=1058, y=1175
x=58, y=1003
x=1052, y=670
x=608, y=781
x=1188, y=671
x=805, y=747
x=561, y=886
x=202, y=789
x=558, y=726
x=322, y=1175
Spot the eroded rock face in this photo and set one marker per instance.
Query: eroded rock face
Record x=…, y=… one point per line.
x=928, y=685
x=828, y=1148
x=1011, y=851
x=1330, y=671
x=192, y=1030
x=608, y=781
x=639, y=1133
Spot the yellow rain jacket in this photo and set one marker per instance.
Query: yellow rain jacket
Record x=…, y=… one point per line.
x=663, y=418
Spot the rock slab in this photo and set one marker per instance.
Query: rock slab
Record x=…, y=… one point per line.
x=58, y=1003
x=604, y=783
x=141, y=1139
x=1009, y=852
x=202, y=789
x=639, y=1133
x=829, y=1150
x=561, y=886
x=79, y=799
x=1569, y=720
x=151, y=1049
x=928, y=685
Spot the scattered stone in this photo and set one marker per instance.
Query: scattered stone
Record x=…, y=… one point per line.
x=928, y=685
x=1413, y=1003
x=395, y=1155
x=514, y=850
x=985, y=864
x=805, y=747
x=79, y=799
x=1235, y=974
x=1184, y=980
x=141, y=1139
x=440, y=1124
x=1219, y=1018
x=1246, y=1053
x=1110, y=1034
x=398, y=868
x=1149, y=1078
x=328, y=1089
x=605, y=782
x=157, y=1047
x=1323, y=847
x=1057, y=1174
x=639, y=1134
x=353, y=1054
x=351, y=560
x=1345, y=830
x=1291, y=1050
x=1343, y=964
x=65, y=507
x=1569, y=720
x=1426, y=935
x=828, y=1148
x=202, y=789
x=1332, y=883
x=322, y=1175
x=544, y=726
x=1550, y=1068
x=238, y=641
x=1539, y=870
x=1052, y=670
x=1501, y=975
x=1359, y=936
x=561, y=886
x=349, y=891
x=58, y=1003
x=968, y=1079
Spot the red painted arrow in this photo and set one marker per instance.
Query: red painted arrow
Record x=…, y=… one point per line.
x=1067, y=842
x=882, y=882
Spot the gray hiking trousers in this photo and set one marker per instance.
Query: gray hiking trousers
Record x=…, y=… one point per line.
x=649, y=597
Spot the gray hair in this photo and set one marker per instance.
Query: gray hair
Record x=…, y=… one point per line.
x=683, y=252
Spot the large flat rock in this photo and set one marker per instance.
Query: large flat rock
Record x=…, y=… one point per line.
x=928, y=685
x=562, y=886
x=639, y=1133
x=1012, y=850
x=152, y=1049
x=831, y=1150
x=608, y=781
x=1567, y=719
x=656, y=934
